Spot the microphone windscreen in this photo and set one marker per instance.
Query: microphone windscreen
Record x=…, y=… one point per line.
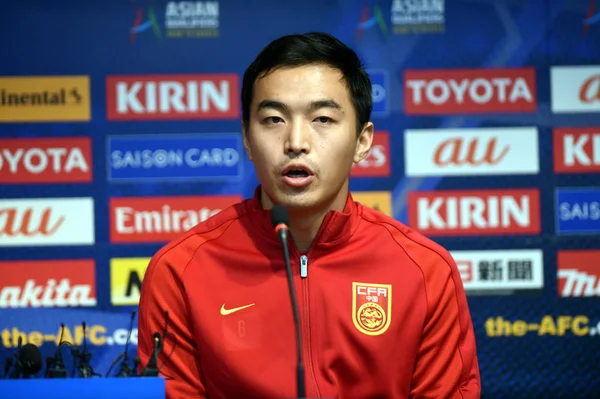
x=31, y=358
x=279, y=215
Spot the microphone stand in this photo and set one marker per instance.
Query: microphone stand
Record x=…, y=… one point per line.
x=280, y=220
x=126, y=370
x=136, y=363
x=56, y=366
x=84, y=370
x=151, y=369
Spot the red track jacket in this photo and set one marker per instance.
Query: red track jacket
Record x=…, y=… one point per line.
x=383, y=311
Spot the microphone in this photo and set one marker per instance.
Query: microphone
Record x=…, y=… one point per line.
x=125, y=370
x=56, y=366
x=151, y=369
x=28, y=362
x=281, y=221
x=84, y=370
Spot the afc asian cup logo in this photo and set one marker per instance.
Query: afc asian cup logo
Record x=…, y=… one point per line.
x=371, y=307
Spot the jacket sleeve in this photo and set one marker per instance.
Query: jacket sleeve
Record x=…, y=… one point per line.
x=446, y=366
x=162, y=290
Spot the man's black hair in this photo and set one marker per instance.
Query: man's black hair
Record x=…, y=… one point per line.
x=312, y=48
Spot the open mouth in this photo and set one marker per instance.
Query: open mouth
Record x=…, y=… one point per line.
x=296, y=173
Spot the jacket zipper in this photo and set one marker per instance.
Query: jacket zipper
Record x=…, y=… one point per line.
x=303, y=266
x=306, y=335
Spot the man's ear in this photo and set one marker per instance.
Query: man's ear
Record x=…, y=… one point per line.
x=364, y=142
x=246, y=140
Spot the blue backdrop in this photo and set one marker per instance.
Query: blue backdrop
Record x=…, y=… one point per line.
x=120, y=38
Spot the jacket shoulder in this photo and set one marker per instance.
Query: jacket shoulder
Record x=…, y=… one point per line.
x=178, y=252
x=422, y=250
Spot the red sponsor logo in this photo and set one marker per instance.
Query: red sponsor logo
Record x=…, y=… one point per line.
x=460, y=91
x=160, y=219
x=48, y=283
x=577, y=150
x=377, y=163
x=578, y=273
x=589, y=91
x=475, y=212
x=162, y=97
x=46, y=160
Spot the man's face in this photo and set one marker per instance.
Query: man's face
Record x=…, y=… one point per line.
x=302, y=136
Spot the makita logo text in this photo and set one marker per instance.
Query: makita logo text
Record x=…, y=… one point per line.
x=475, y=212
x=52, y=293
x=439, y=92
x=172, y=97
x=576, y=150
x=161, y=219
x=476, y=151
x=45, y=160
x=578, y=273
x=67, y=283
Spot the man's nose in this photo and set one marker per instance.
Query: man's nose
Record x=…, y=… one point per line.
x=298, y=140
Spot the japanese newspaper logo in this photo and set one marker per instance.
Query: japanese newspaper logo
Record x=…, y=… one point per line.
x=505, y=270
x=371, y=307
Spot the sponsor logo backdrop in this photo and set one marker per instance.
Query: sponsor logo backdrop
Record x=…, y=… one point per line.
x=488, y=140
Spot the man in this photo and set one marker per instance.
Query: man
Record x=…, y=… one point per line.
x=383, y=310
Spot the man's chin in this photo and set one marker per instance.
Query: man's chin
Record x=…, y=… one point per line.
x=296, y=199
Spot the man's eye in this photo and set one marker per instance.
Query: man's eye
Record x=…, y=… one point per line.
x=323, y=119
x=273, y=119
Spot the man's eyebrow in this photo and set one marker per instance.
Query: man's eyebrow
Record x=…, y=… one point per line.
x=273, y=104
x=315, y=105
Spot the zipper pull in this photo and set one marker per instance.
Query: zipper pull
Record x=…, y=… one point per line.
x=303, y=266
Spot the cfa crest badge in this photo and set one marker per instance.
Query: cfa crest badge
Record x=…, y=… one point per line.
x=371, y=307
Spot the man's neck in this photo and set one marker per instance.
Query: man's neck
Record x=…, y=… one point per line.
x=305, y=225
